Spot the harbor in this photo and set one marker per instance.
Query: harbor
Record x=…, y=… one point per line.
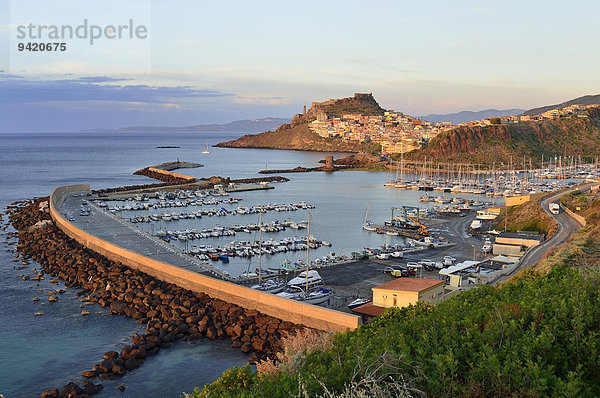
x=337, y=218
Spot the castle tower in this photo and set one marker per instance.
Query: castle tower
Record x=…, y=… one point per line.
x=329, y=164
x=304, y=113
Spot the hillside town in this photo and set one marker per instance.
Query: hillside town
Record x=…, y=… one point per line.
x=397, y=132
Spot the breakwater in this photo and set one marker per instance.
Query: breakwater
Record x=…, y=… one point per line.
x=171, y=166
x=129, y=188
x=258, y=180
x=170, y=312
x=290, y=310
x=164, y=175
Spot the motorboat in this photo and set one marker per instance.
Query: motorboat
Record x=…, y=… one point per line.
x=271, y=286
x=316, y=295
x=358, y=302
x=311, y=277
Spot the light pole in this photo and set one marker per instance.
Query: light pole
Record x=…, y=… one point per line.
x=474, y=253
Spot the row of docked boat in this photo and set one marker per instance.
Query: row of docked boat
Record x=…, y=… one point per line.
x=219, y=231
x=174, y=216
x=307, y=287
x=255, y=248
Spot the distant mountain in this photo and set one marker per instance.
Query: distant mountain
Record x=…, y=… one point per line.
x=468, y=116
x=585, y=100
x=249, y=126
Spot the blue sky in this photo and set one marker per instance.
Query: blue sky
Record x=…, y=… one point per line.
x=213, y=62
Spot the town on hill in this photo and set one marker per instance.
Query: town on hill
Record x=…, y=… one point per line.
x=359, y=124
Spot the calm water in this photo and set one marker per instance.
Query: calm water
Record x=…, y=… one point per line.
x=49, y=351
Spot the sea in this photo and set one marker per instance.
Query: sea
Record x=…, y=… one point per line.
x=44, y=352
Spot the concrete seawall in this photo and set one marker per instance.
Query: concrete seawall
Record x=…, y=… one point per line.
x=580, y=219
x=285, y=309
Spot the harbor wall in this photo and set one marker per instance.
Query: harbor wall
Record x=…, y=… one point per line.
x=172, y=174
x=580, y=219
x=285, y=309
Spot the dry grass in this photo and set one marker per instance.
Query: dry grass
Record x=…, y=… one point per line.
x=295, y=348
x=529, y=216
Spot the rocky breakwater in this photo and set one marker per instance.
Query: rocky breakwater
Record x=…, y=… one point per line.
x=170, y=312
x=165, y=176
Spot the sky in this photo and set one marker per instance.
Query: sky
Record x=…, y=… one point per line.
x=213, y=62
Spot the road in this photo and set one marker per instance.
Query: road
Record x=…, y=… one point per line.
x=567, y=226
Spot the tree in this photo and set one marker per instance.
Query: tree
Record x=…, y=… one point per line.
x=496, y=120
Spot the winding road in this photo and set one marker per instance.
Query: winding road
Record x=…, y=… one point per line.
x=567, y=226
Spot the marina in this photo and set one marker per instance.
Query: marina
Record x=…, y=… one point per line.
x=359, y=257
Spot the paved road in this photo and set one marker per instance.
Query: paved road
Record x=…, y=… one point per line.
x=567, y=226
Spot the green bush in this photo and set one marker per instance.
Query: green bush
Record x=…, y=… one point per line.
x=537, y=336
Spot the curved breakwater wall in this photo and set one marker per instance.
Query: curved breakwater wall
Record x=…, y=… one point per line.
x=285, y=309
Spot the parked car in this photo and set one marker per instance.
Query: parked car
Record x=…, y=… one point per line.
x=400, y=273
x=426, y=262
x=448, y=261
x=392, y=268
x=397, y=254
x=383, y=256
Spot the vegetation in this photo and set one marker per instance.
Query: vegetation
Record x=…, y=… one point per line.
x=501, y=143
x=528, y=217
x=536, y=336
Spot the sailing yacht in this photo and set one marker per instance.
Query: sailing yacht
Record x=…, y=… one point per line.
x=367, y=224
x=310, y=290
x=270, y=285
x=206, y=151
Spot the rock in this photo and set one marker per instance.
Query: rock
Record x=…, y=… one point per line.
x=246, y=347
x=88, y=373
x=119, y=370
x=51, y=394
x=237, y=330
x=131, y=364
x=111, y=355
x=70, y=390
x=91, y=388
x=122, y=387
x=211, y=333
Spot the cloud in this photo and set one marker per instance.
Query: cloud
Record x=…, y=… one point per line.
x=19, y=90
x=101, y=79
x=256, y=100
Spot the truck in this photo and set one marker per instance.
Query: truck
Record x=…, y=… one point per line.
x=554, y=208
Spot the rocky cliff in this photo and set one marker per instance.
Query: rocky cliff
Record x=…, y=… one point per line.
x=498, y=143
x=296, y=135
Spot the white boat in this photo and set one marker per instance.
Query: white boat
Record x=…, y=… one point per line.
x=206, y=151
x=358, y=302
x=270, y=286
x=475, y=224
x=484, y=215
x=311, y=277
x=369, y=227
x=316, y=295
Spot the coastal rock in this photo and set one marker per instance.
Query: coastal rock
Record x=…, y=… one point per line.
x=91, y=388
x=170, y=312
x=111, y=355
x=51, y=394
x=131, y=364
x=70, y=390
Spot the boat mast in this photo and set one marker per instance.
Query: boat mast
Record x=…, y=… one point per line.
x=307, y=252
x=259, y=248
